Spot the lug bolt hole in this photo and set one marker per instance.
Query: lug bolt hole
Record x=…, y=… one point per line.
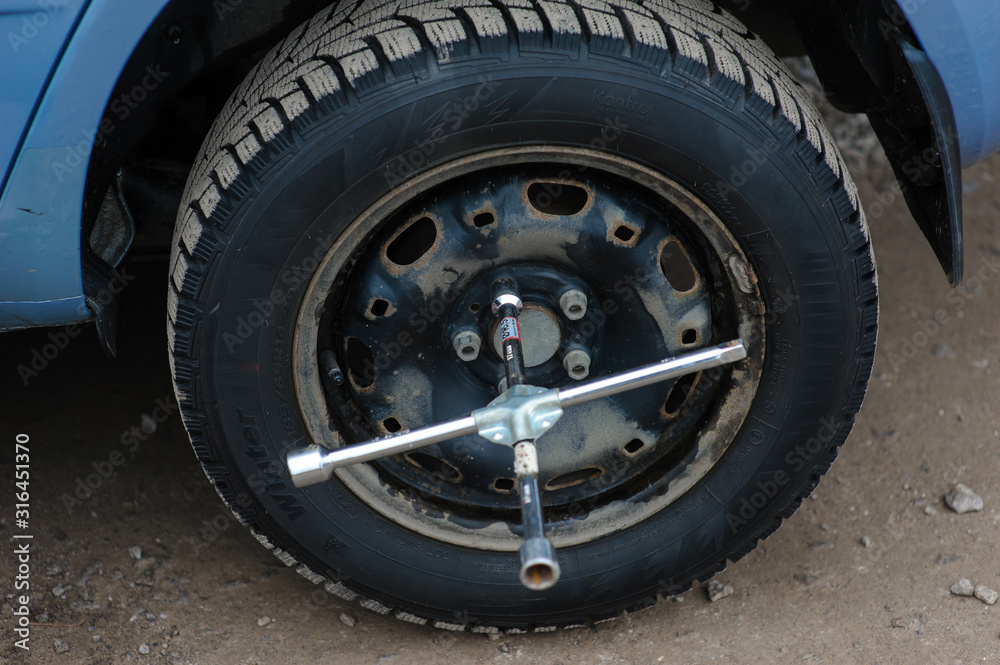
x=475, y=307
x=391, y=425
x=379, y=307
x=689, y=336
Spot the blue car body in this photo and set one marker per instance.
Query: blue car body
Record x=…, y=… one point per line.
x=62, y=59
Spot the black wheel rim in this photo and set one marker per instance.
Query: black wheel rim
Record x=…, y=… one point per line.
x=660, y=274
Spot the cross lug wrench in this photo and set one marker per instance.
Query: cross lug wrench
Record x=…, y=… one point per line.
x=516, y=418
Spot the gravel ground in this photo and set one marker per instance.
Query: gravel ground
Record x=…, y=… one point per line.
x=135, y=559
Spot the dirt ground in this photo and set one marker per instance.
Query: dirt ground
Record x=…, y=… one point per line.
x=147, y=565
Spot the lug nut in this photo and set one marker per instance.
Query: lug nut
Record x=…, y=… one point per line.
x=467, y=344
x=577, y=364
x=573, y=304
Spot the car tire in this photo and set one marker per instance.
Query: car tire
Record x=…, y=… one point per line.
x=370, y=109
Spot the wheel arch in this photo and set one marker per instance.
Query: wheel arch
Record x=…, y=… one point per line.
x=884, y=58
x=83, y=129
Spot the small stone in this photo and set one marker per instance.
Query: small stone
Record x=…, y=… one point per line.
x=59, y=591
x=60, y=647
x=930, y=510
x=963, y=587
x=135, y=552
x=144, y=648
x=504, y=648
x=96, y=638
x=806, y=579
x=986, y=594
x=962, y=499
x=263, y=621
x=150, y=616
x=866, y=541
x=939, y=351
x=717, y=590
x=347, y=620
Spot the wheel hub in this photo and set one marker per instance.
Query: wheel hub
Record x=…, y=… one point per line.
x=540, y=332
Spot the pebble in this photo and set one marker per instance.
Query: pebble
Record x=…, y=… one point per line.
x=962, y=499
x=60, y=647
x=986, y=594
x=866, y=541
x=59, y=591
x=963, y=587
x=263, y=621
x=717, y=590
x=347, y=620
x=930, y=510
x=504, y=648
x=96, y=638
x=939, y=351
x=135, y=552
x=143, y=648
x=806, y=579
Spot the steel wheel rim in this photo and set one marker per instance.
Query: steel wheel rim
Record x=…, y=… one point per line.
x=581, y=519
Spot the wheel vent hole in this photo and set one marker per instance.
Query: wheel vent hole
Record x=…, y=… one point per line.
x=412, y=242
x=677, y=268
x=391, y=425
x=689, y=337
x=504, y=484
x=435, y=466
x=475, y=307
x=679, y=394
x=360, y=363
x=483, y=219
x=624, y=233
x=557, y=198
x=634, y=446
x=574, y=478
x=379, y=307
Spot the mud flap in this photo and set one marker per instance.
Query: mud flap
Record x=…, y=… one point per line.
x=923, y=150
